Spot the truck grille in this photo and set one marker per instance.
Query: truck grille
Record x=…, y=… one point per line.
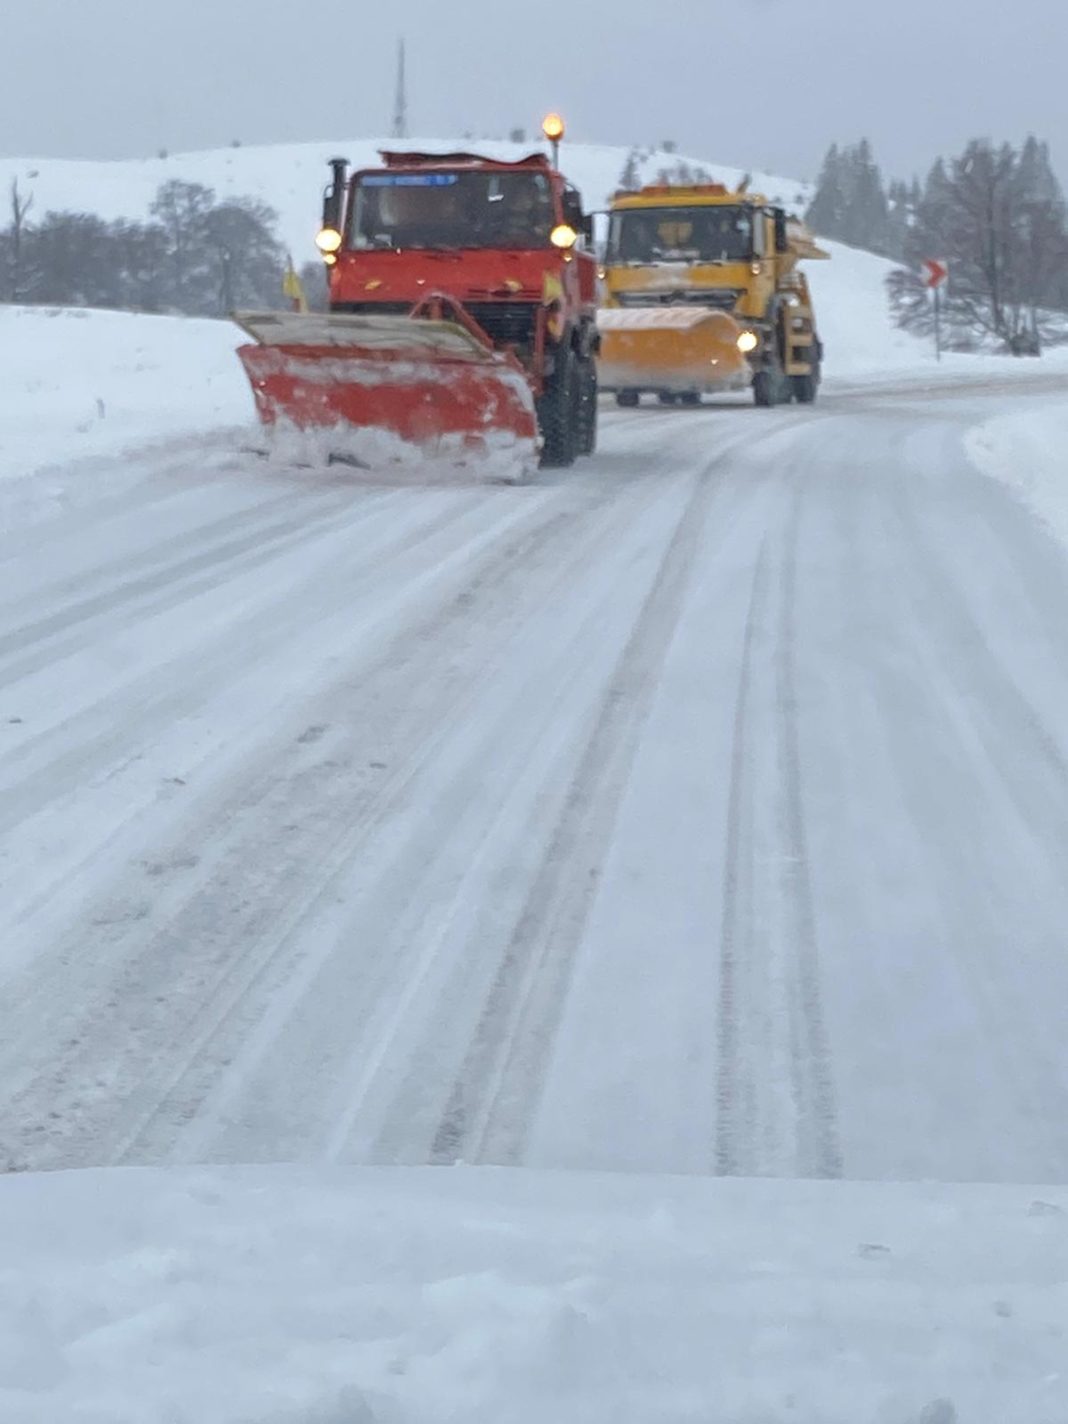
x=506, y=323
x=719, y=298
x=374, y=308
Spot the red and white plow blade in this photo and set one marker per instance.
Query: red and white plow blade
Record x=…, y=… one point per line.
x=416, y=377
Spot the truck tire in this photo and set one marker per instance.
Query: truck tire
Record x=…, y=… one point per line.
x=771, y=384
x=587, y=433
x=690, y=398
x=558, y=414
x=805, y=388
x=667, y=397
x=765, y=388
x=627, y=400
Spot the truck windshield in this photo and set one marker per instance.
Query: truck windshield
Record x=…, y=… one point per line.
x=451, y=210
x=699, y=234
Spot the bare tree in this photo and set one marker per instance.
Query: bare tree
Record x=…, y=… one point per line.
x=248, y=260
x=180, y=209
x=998, y=217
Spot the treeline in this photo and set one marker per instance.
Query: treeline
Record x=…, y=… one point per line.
x=995, y=213
x=196, y=255
x=678, y=171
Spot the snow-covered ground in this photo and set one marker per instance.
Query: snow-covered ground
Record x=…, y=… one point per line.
x=394, y=1297
x=697, y=813
x=1028, y=450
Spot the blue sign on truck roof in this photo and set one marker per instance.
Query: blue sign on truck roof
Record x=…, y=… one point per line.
x=408, y=180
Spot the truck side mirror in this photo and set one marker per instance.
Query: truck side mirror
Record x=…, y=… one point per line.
x=573, y=214
x=781, y=241
x=334, y=197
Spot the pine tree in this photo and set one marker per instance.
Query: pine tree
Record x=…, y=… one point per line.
x=899, y=217
x=867, y=215
x=850, y=202
x=828, y=204
x=630, y=179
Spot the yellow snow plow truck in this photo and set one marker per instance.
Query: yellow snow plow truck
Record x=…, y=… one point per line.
x=702, y=293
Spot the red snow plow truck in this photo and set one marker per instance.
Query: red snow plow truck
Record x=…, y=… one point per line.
x=462, y=309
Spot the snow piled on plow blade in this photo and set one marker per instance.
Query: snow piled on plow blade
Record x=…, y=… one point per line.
x=497, y=456
x=379, y=383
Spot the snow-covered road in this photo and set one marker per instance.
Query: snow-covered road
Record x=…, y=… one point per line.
x=704, y=810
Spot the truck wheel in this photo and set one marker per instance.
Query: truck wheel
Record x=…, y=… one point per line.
x=805, y=388
x=587, y=431
x=765, y=388
x=627, y=400
x=690, y=398
x=666, y=397
x=558, y=414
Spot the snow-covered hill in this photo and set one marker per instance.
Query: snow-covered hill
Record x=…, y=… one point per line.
x=290, y=177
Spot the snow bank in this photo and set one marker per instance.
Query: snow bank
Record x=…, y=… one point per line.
x=854, y=316
x=80, y=383
x=1028, y=451
x=363, y=1296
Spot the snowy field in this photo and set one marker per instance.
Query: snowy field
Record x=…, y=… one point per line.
x=579, y=903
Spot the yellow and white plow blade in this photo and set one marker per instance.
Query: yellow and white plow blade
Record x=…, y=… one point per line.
x=662, y=348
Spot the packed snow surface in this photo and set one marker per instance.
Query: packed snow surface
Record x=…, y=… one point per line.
x=420, y=1297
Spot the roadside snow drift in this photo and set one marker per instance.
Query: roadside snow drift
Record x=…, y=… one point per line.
x=79, y=383
x=496, y=1297
x=1028, y=451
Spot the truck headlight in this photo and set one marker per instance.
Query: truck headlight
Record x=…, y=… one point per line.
x=328, y=239
x=748, y=341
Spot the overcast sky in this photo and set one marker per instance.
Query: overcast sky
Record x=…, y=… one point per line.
x=761, y=83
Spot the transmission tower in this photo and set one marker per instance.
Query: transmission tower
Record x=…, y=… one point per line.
x=400, y=111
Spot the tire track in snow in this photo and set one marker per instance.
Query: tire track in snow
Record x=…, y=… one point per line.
x=774, y=1088
x=183, y=675
x=736, y=939
x=494, y=1098
x=821, y=1153
x=378, y=1031
x=156, y=591
x=194, y=1031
